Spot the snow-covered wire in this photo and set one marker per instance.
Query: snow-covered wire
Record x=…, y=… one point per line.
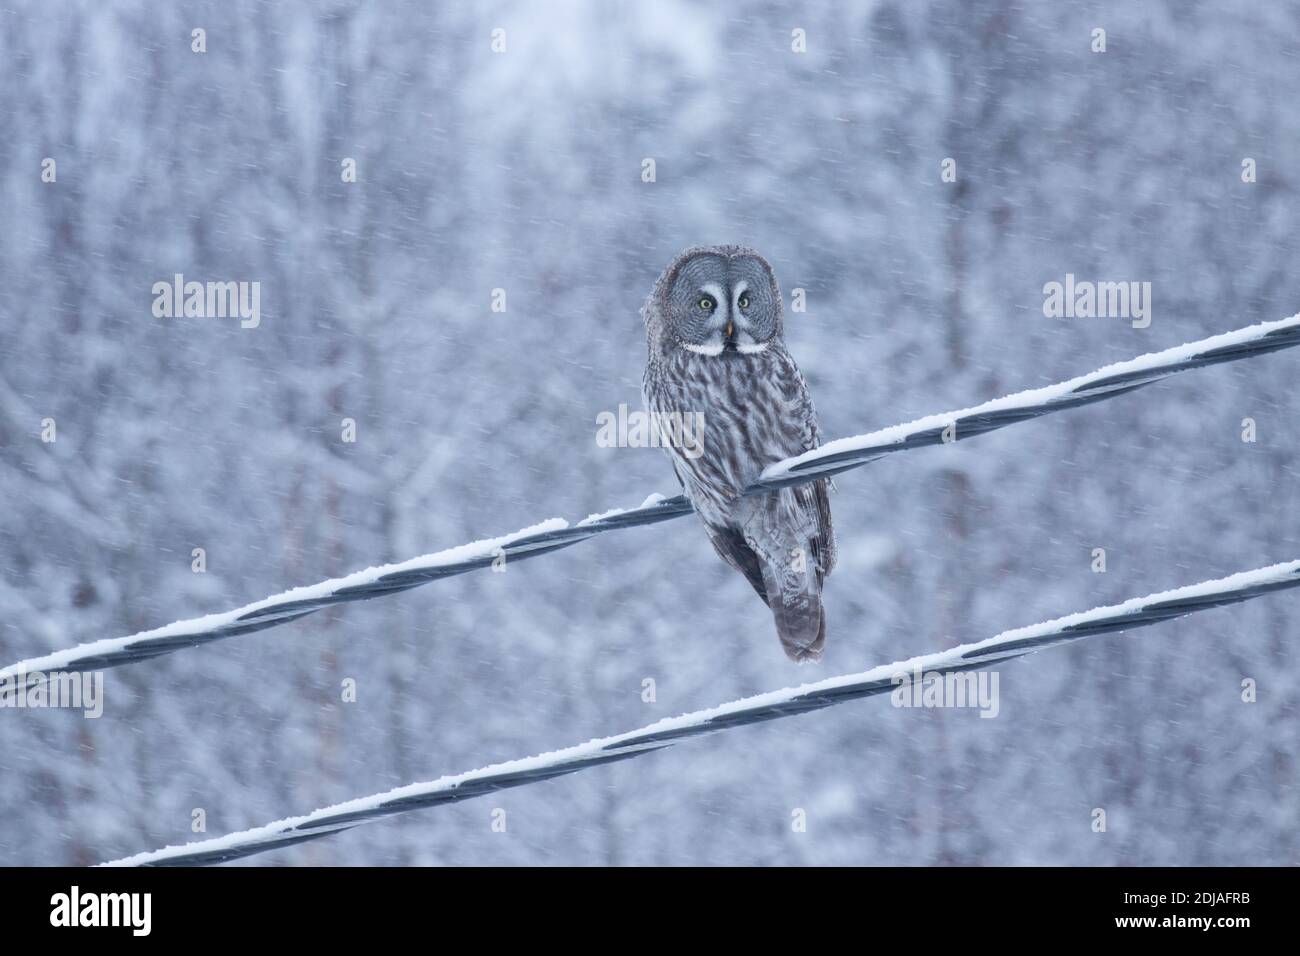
x=1136, y=612
x=830, y=459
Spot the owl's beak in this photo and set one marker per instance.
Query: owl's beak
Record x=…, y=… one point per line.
x=730, y=327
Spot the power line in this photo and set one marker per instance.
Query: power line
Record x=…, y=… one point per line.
x=830, y=459
x=775, y=705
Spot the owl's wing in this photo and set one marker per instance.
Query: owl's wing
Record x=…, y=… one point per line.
x=813, y=498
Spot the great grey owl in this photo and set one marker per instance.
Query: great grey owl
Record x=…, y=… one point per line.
x=714, y=331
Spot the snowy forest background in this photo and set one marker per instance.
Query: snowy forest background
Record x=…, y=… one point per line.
x=522, y=170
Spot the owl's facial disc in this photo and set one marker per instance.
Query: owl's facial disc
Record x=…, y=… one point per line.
x=721, y=303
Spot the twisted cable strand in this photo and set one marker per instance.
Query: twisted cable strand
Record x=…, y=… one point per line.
x=775, y=705
x=830, y=459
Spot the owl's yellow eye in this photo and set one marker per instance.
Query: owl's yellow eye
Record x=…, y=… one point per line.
x=744, y=302
x=707, y=303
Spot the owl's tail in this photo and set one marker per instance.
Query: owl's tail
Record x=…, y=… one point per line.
x=796, y=602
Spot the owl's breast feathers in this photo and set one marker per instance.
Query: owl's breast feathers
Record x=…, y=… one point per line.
x=756, y=410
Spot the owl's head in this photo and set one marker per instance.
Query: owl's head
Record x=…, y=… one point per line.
x=716, y=300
